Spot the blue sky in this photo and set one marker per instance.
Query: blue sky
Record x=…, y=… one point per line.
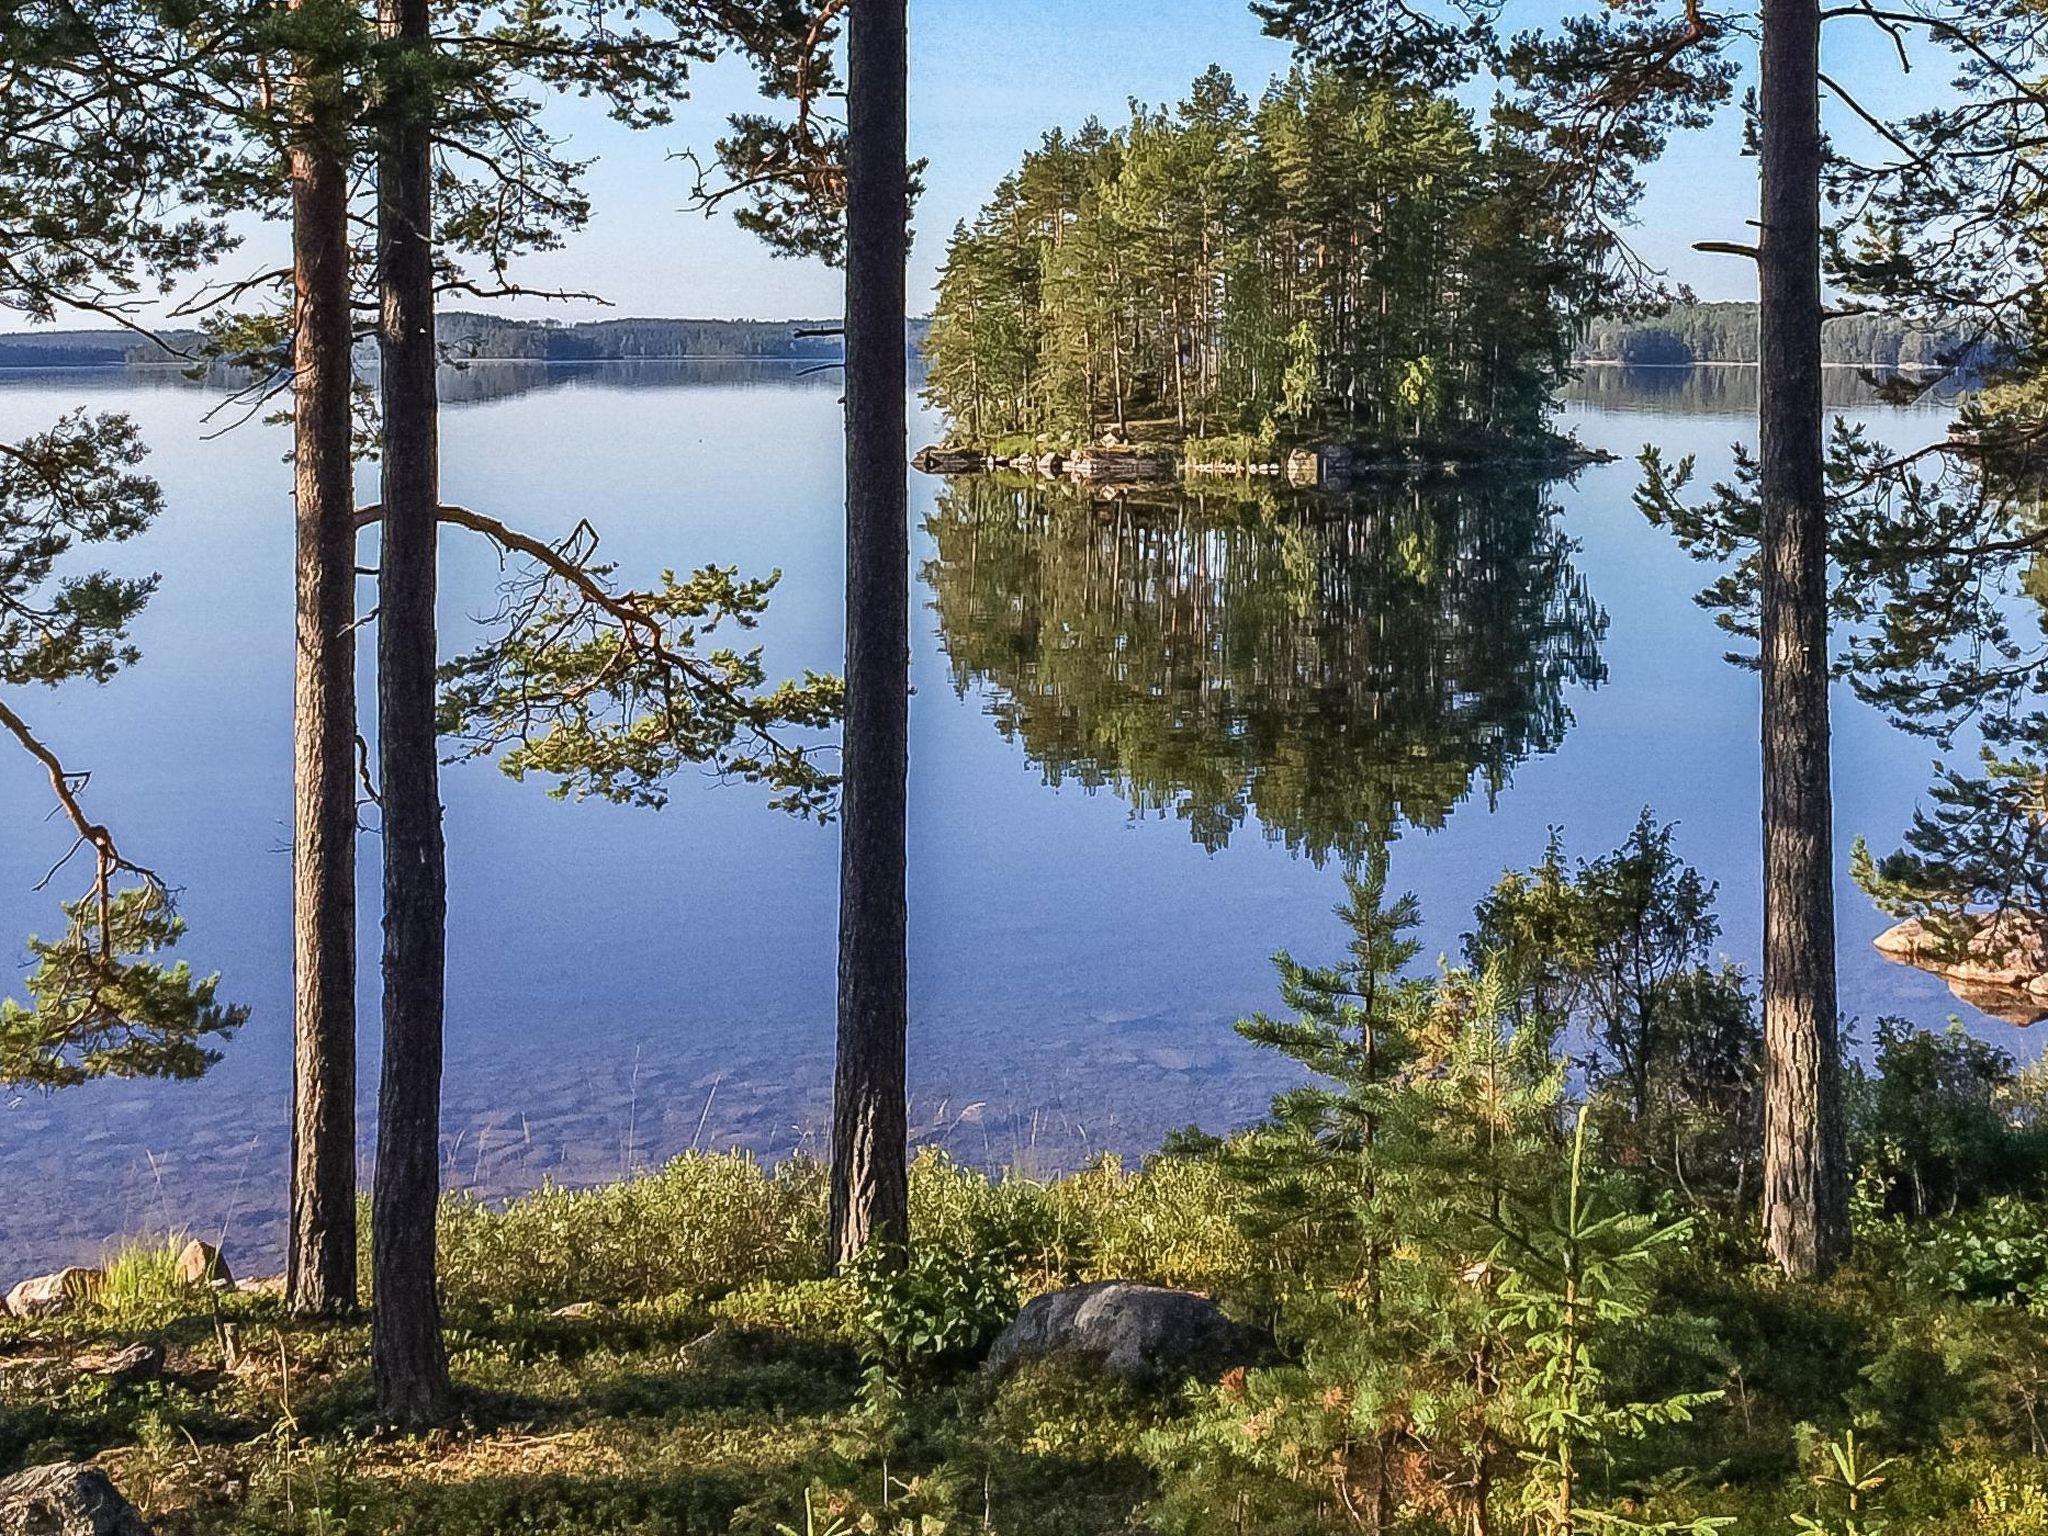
x=989, y=77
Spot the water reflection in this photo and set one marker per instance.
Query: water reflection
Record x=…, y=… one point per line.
x=1335, y=667
x=1708, y=389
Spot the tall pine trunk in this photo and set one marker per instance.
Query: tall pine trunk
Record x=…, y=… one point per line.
x=1805, y=1191
x=321, y=1250
x=407, y=1356
x=870, y=1197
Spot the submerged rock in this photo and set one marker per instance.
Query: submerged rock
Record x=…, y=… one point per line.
x=1999, y=965
x=66, y=1498
x=1130, y=1330
x=54, y=1295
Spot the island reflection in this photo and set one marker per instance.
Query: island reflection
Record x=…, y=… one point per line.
x=1336, y=667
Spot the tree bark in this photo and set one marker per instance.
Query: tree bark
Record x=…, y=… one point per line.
x=1805, y=1191
x=870, y=1197
x=321, y=1249
x=408, y=1359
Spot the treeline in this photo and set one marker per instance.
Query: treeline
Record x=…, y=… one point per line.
x=1726, y=333
x=469, y=335
x=490, y=336
x=1335, y=258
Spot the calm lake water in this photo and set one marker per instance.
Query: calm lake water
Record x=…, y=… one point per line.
x=1145, y=739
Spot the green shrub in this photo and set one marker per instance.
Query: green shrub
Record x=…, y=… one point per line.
x=705, y=1224
x=1997, y=1253
x=828, y=1311
x=1170, y=1223
x=934, y=1307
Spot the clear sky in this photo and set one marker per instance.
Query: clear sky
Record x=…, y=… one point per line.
x=989, y=77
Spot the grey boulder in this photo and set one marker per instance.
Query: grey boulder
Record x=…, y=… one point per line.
x=66, y=1498
x=53, y=1295
x=1140, y=1332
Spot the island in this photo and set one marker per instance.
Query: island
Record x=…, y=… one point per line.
x=1337, y=278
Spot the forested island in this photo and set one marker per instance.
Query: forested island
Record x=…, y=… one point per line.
x=1334, y=262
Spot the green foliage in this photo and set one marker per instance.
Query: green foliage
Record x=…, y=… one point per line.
x=1937, y=1124
x=98, y=1004
x=1616, y=953
x=1570, y=1277
x=828, y=1310
x=1209, y=266
x=1849, y=1481
x=613, y=693
x=704, y=1224
x=101, y=1006
x=1998, y=1253
x=141, y=1285
x=932, y=1307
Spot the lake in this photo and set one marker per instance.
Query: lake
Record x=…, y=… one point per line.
x=1146, y=737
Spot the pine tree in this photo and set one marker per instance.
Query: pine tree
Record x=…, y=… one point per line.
x=870, y=1180
x=101, y=152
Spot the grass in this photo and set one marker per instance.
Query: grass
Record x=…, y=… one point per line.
x=719, y=1387
x=141, y=1285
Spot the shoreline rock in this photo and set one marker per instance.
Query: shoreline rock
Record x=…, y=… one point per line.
x=1325, y=466
x=53, y=1295
x=200, y=1263
x=1998, y=966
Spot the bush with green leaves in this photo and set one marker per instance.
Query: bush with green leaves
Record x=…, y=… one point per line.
x=933, y=1307
x=1617, y=955
x=703, y=1225
x=1943, y=1121
x=1998, y=1253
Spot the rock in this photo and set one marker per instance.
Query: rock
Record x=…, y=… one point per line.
x=1327, y=464
x=1049, y=463
x=129, y=1367
x=261, y=1285
x=54, y=1295
x=579, y=1311
x=1130, y=1330
x=200, y=1263
x=950, y=461
x=1123, y=464
x=66, y=1499
x=1999, y=964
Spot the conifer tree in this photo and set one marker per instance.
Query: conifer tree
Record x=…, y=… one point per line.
x=1345, y=258
x=100, y=154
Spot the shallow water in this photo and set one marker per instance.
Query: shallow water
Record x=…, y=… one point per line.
x=1145, y=738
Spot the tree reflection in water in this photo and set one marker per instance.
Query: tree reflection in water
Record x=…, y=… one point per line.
x=1335, y=667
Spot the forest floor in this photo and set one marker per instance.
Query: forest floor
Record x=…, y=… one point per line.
x=660, y=1356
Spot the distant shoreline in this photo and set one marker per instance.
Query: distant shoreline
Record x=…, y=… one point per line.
x=1736, y=362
